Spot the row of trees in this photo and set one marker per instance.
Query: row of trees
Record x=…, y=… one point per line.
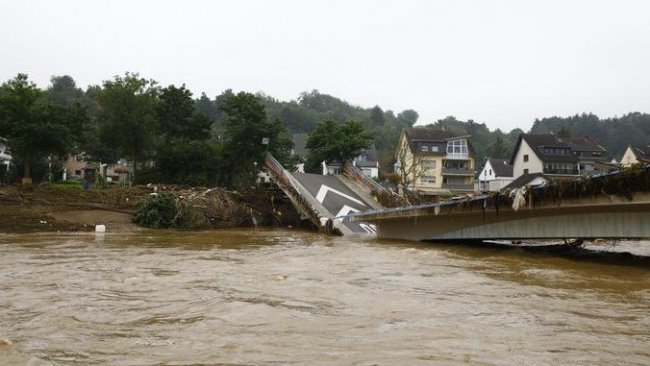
x=168, y=136
x=310, y=109
x=159, y=129
x=220, y=140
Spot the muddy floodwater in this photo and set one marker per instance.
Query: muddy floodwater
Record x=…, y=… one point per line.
x=282, y=297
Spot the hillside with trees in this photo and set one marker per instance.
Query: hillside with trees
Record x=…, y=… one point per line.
x=199, y=140
x=614, y=134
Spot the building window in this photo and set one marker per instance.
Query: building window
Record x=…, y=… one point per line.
x=428, y=179
x=434, y=149
x=525, y=158
x=429, y=165
x=424, y=148
x=490, y=172
x=457, y=147
x=525, y=171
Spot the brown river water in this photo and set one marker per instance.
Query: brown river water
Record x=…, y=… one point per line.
x=282, y=297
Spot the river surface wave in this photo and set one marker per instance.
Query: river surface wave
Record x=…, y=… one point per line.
x=254, y=297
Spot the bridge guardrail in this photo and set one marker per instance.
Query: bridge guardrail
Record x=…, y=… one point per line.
x=385, y=197
x=287, y=183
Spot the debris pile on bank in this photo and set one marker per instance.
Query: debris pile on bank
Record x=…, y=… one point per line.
x=193, y=209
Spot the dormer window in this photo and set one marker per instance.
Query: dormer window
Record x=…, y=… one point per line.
x=457, y=147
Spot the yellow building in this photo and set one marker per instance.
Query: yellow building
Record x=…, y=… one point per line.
x=434, y=161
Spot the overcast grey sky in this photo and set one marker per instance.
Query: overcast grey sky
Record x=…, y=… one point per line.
x=504, y=63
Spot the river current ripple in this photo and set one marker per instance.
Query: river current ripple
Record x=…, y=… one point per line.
x=282, y=297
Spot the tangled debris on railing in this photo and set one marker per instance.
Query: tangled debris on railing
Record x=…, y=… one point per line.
x=623, y=183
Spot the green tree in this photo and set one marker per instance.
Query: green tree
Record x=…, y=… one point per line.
x=177, y=118
x=249, y=135
x=499, y=149
x=377, y=117
x=183, y=155
x=128, y=116
x=63, y=91
x=408, y=117
x=334, y=142
x=34, y=127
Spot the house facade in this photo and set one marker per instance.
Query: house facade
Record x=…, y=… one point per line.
x=556, y=157
x=433, y=161
x=5, y=157
x=367, y=163
x=495, y=175
x=634, y=155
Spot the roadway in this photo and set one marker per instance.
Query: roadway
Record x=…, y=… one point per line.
x=337, y=198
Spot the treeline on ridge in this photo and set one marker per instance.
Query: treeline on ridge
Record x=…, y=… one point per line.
x=218, y=141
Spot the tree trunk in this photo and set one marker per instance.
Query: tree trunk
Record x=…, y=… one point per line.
x=27, y=179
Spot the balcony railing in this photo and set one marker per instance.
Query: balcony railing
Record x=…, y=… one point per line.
x=457, y=171
x=459, y=187
x=457, y=156
x=561, y=171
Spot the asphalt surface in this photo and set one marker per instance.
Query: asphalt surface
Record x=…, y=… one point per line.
x=336, y=197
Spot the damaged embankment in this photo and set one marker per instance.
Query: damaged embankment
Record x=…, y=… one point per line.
x=69, y=208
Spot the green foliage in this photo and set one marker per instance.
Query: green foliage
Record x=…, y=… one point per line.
x=34, y=127
x=498, y=149
x=615, y=134
x=128, y=116
x=177, y=118
x=63, y=91
x=334, y=142
x=249, y=136
x=191, y=163
x=157, y=211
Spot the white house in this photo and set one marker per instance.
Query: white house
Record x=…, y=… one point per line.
x=367, y=163
x=5, y=158
x=495, y=175
x=635, y=154
x=556, y=157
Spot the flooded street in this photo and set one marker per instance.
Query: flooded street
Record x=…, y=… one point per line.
x=253, y=297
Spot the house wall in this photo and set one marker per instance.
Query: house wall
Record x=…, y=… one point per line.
x=435, y=172
x=405, y=154
x=74, y=166
x=534, y=164
x=487, y=173
x=628, y=158
x=498, y=184
x=371, y=172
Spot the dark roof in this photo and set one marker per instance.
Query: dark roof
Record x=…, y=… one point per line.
x=418, y=136
x=585, y=144
x=501, y=167
x=522, y=181
x=367, y=163
x=428, y=134
x=641, y=151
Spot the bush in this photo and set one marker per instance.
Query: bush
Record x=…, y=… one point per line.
x=157, y=211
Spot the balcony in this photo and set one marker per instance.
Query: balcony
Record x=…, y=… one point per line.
x=457, y=156
x=459, y=187
x=561, y=171
x=458, y=171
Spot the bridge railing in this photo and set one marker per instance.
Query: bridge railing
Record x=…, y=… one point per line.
x=357, y=175
x=384, y=196
x=288, y=184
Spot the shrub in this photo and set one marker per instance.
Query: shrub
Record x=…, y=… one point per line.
x=157, y=211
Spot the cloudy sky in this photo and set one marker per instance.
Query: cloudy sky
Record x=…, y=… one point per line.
x=504, y=63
